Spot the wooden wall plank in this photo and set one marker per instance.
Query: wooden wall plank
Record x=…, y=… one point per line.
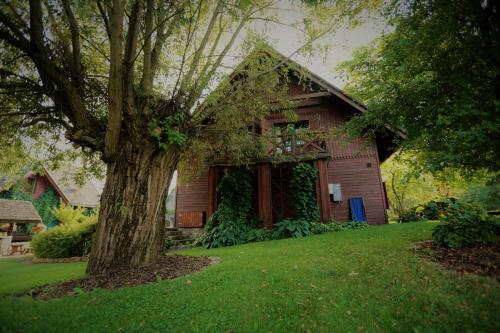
x=264, y=195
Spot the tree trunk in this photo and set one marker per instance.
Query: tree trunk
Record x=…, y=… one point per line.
x=131, y=223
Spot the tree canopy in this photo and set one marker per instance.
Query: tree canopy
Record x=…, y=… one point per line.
x=436, y=76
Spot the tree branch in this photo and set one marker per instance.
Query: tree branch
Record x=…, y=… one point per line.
x=187, y=79
x=104, y=17
x=76, y=68
x=146, y=81
x=115, y=83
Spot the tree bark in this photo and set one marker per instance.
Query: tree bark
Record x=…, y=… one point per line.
x=131, y=224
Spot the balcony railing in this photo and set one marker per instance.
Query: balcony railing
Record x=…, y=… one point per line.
x=282, y=148
x=297, y=145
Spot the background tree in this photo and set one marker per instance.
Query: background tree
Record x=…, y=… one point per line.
x=437, y=77
x=124, y=81
x=407, y=186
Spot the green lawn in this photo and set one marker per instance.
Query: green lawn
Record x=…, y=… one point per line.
x=364, y=280
x=18, y=275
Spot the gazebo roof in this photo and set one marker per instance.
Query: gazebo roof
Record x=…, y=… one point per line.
x=17, y=211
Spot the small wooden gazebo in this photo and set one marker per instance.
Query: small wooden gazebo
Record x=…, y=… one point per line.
x=13, y=212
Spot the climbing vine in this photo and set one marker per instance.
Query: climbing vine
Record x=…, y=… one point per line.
x=47, y=201
x=303, y=192
x=229, y=224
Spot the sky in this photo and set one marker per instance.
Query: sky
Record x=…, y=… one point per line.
x=342, y=44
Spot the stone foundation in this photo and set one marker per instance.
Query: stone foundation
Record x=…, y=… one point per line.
x=192, y=232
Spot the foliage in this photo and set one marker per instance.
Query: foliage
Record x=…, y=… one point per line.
x=431, y=210
x=44, y=205
x=464, y=225
x=259, y=235
x=437, y=77
x=167, y=244
x=303, y=192
x=320, y=228
x=487, y=195
x=71, y=240
x=407, y=186
x=291, y=228
x=351, y=225
x=67, y=214
x=228, y=225
x=15, y=193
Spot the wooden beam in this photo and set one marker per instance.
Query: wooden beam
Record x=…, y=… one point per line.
x=322, y=195
x=264, y=194
x=311, y=95
x=212, y=191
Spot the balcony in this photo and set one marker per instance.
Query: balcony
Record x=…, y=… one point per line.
x=298, y=146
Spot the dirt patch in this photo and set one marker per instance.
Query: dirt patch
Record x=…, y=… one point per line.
x=168, y=267
x=480, y=260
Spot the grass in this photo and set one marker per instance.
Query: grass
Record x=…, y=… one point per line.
x=19, y=275
x=363, y=280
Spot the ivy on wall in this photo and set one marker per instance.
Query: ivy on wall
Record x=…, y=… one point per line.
x=303, y=192
x=44, y=204
x=229, y=224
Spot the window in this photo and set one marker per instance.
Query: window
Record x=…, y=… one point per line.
x=286, y=134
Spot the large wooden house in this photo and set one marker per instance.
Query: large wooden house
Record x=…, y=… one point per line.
x=348, y=170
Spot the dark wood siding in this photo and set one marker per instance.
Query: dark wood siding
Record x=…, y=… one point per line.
x=354, y=164
x=192, y=196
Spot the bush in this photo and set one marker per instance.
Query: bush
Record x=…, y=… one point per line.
x=321, y=228
x=167, y=244
x=259, y=235
x=67, y=214
x=73, y=240
x=464, y=225
x=431, y=210
x=351, y=225
x=291, y=228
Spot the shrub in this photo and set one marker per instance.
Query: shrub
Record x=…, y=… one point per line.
x=259, y=235
x=464, y=225
x=167, y=244
x=431, y=210
x=67, y=214
x=291, y=228
x=64, y=241
x=321, y=228
x=351, y=225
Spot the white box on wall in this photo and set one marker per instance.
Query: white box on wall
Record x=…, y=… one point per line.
x=335, y=191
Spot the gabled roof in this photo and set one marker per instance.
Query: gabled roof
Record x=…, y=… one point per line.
x=327, y=86
x=17, y=211
x=385, y=144
x=63, y=181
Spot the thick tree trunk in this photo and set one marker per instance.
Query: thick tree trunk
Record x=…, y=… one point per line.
x=131, y=223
